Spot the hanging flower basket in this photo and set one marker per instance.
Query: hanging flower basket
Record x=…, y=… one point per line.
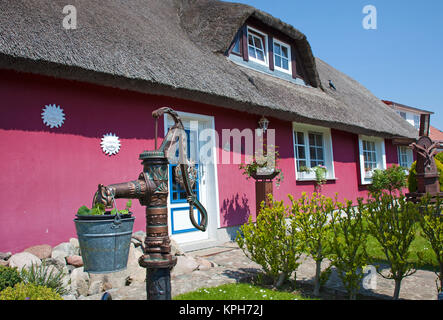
x=268, y=176
x=257, y=168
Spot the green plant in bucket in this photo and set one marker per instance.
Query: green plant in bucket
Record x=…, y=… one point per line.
x=99, y=210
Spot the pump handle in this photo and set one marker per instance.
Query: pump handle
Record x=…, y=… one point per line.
x=178, y=131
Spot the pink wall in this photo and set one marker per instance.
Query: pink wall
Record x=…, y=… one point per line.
x=47, y=174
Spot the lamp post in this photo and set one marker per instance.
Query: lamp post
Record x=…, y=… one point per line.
x=151, y=189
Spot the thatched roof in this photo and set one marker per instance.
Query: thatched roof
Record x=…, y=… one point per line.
x=176, y=48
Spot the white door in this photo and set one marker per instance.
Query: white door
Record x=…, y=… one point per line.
x=180, y=226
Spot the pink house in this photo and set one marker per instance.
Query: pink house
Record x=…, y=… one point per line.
x=222, y=66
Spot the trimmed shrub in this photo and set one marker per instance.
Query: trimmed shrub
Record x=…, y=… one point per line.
x=391, y=221
x=272, y=242
x=9, y=277
x=348, y=245
x=392, y=179
x=30, y=291
x=311, y=217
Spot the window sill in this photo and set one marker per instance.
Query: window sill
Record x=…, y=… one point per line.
x=314, y=180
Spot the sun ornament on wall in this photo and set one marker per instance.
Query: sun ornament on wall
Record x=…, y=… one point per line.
x=110, y=144
x=53, y=116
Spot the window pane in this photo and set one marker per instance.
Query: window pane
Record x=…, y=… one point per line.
x=284, y=51
x=320, y=153
x=250, y=40
x=236, y=47
x=277, y=49
x=258, y=43
x=403, y=115
x=301, y=152
x=252, y=52
x=260, y=55
x=285, y=64
x=316, y=139
x=311, y=140
x=319, y=140
x=277, y=61
x=300, y=138
x=312, y=153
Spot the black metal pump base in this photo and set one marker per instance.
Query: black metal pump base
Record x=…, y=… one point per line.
x=158, y=284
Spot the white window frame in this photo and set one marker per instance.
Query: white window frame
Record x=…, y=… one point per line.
x=366, y=178
x=327, y=150
x=282, y=44
x=265, y=47
x=416, y=119
x=409, y=155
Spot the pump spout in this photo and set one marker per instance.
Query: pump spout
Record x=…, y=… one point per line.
x=136, y=189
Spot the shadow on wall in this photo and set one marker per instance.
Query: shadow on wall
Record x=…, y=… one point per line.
x=235, y=210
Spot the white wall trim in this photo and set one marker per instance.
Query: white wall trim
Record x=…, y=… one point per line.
x=327, y=147
x=380, y=152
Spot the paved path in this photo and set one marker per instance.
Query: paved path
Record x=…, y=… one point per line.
x=233, y=266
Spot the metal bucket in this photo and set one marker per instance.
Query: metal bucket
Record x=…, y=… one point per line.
x=104, y=243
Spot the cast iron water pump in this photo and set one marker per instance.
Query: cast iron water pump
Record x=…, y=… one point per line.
x=151, y=189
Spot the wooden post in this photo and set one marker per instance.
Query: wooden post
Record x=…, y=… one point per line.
x=262, y=189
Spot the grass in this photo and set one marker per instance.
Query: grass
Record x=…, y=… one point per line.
x=419, y=244
x=239, y=291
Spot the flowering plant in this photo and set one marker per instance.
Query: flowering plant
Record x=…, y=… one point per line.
x=259, y=165
x=320, y=174
x=319, y=171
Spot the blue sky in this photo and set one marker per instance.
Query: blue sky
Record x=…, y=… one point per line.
x=401, y=60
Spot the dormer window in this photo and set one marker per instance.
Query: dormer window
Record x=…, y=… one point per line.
x=282, y=56
x=267, y=50
x=257, y=46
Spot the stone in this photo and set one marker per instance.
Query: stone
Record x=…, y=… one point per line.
x=23, y=259
x=135, y=272
x=139, y=235
x=185, y=264
x=5, y=255
x=175, y=249
x=63, y=250
x=204, y=264
x=69, y=297
x=107, y=286
x=68, y=268
x=95, y=288
x=79, y=282
x=75, y=261
x=42, y=251
x=58, y=263
x=112, y=280
x=76, y=245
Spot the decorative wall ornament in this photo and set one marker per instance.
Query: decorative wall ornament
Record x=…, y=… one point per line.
x=110, y=144
x=53, y=116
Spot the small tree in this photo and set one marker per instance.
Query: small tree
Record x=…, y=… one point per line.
x=272, y=242
x=349, y=245
x=392, y=180
x=391, y=221
x=431, y=221
x=311, y=218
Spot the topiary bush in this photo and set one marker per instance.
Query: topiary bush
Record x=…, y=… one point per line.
x=272, y=242
x=392, y=179
x=29, y=291
x=412, y=181
x=9, y=277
